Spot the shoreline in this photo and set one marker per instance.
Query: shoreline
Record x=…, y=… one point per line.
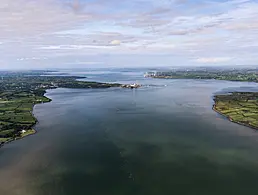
x=36, y=95
x=32, y=129
x=170, y=78
x=231, y=120
x=18, y=138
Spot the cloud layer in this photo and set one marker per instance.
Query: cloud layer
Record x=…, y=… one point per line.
x=46, y=33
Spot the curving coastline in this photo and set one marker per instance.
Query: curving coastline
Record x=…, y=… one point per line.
x=41, y=98
x=21, y=91
x=214, y=108
x=31, y=130
x=29, y=133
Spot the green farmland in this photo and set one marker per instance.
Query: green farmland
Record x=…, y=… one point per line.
x=239, y=107
x=16, y=114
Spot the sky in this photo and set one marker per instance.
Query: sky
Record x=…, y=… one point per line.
x=127, y=33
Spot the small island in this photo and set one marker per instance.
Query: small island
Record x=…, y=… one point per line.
x=131, y=86
x=20, y=91
x=238, y=107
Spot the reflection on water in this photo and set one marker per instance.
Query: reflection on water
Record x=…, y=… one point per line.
x=153, y=140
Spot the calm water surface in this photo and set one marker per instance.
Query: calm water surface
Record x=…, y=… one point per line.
x=163, y=138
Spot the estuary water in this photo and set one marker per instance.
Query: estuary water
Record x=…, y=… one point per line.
x=163, y=138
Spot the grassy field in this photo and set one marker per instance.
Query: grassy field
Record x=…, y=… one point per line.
x=28, y=132
x=16, y=114
x=241, y=108
x=21, y=135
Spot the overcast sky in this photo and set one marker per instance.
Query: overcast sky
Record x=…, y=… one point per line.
x=127, y=33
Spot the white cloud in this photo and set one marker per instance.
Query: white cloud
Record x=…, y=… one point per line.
x=213, y=59
x=79, y=62
x=115, y=42
x=21, y=18
x=31, y=58
x=73, y=47
x=179, y=28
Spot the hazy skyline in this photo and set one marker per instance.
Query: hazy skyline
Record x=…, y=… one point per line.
x=129, y=33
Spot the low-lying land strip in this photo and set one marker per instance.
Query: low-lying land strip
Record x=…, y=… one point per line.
x=239, y=107
x=19, y=92
x=249, y=75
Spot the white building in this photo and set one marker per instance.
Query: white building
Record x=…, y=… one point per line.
x=23, y=131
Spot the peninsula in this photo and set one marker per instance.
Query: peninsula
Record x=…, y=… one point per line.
x=20, y=91
x=238, y=107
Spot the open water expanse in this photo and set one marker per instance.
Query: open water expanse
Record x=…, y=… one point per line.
x=163, y=138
